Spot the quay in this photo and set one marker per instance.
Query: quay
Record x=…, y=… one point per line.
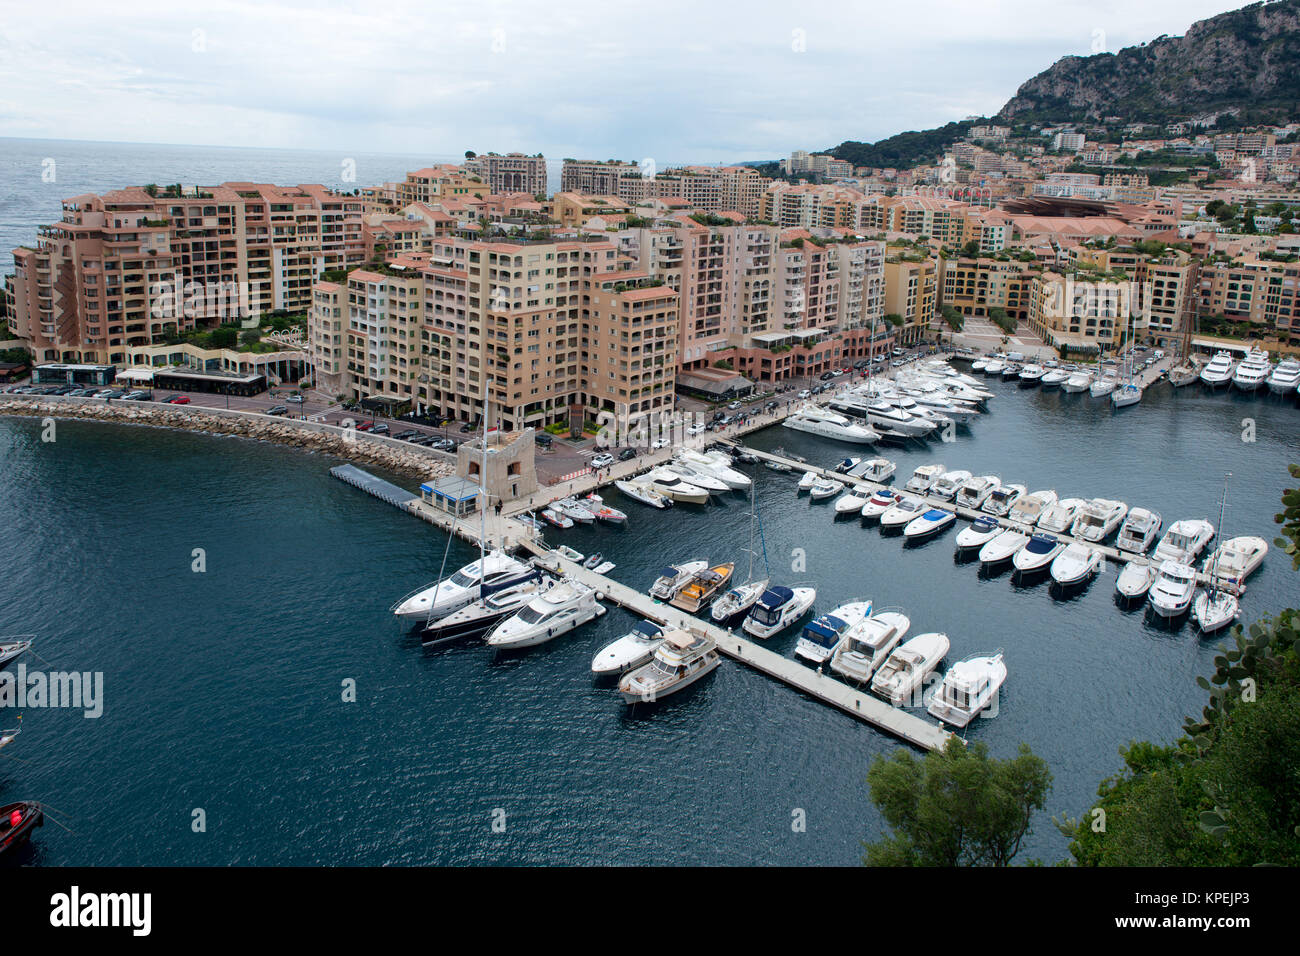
x=894, y=720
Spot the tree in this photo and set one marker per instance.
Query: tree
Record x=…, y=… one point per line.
x=470, y=154
x=971, y=250
x=1289, y=519
x=955, y=807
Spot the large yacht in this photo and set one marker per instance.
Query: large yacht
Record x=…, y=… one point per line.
x=827, y=424
x=1285, y=378
x=868, y=644
x=633, y=649
x=898, y=422
x=1253, y=371
x=1139, y=531
x=902, y=675
x=676, y=487
x=1098, y=519
x=716, y=466
x=696, y=476
x=680, y=660
x=555, y=611
x=496, y=602
x=1184, y=541
x=1218, y=371
x=463, y=587
x=968, y=687
x=822, y=635
x=777, y=609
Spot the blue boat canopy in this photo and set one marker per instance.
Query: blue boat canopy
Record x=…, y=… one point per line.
x=1040, y=544
x=934, y=514
x=985, y=523
x=825, y=630
x=668, y=573
x=648, y=628
x=775, y=597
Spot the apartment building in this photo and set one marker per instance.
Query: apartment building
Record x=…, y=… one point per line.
x=1164, y=286
x=436, y=183
x=1089, y=313
x=1251, y=289
x=595, y=178
x=977, y=286
x=511, y=173
x=911, y=293
x=327, y=337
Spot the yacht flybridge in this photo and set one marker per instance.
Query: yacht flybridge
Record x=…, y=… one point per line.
x=1171, y=593
x=777, y=609
x=822, y=635
x=1253, y=371
x=1139, y=531
x=905, y=670
x=923, y=478
x=682, y=658
x=1184, y=541
x=1098, y=519
x=462, y=588
x=1029, y=508
x=969, y=686
x=868, y=644
x=827, y=424
x=1059, y=518
x=1218, y=372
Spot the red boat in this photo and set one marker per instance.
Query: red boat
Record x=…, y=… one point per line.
x=17, y=821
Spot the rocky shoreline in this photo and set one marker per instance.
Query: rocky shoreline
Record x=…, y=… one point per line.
x=312, y=436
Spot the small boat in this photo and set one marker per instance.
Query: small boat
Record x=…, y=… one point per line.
x=899, y=516
x=946, y=485
x=850, y=503
x=605, y=567
x=1098, y=519
x=571, y=508
x=1214, y=610
x=1002, y=499
x=680, y=660
x=1103, y=386
x=1078, y=382
x=553, y=517
x=1172, y=591
x=777, y=609
x=903, y=674
x=879, y=503
x=1037, y=554
x=593, y=559
x=846, y=465
x=1236, y=559
x=17, y=821
x=1076, y=564
x=1135, y=580
x=673, y=578
x=529, y=520
x=1183, y=375
x=923, y=478
x=603, y=512
x=1012, y=372
x=570, y=554
x=978, y=533
x=1184, y=541
x=1003, y=548
x=969, y=686
x=643, y=493
x=555, y=611
x=976, y=490
x=825, y=488
x=1130, y=393
x=1031, y=375
x=700, y=589
x=737, y=602
x=1056, y=377
x=7, y=736
x=928, y=524
x=879, y=470
x=994, y=367
x=1139, y=530
x=822, y=635
x=632, y=649
x=1029, y=508
x=11, y=649
x=868, y=644
x=809, y=479
x=1059, y=518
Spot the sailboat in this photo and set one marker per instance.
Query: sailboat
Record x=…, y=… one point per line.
x=1130, y=393
x=736, y=603
x=1185, y=372
x=1215, y=607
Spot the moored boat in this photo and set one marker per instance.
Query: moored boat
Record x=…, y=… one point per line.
x=902, y=675
x=680, y=660
x=969, y=687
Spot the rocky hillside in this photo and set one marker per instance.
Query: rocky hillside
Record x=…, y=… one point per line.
x=1244, y=59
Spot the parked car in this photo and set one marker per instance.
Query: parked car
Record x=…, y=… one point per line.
x=365, y=426
x=659, y=443
x=771, y=404
x=602, y=461
x=442, y=444
x=733, y=405
x=466, y=428
x=296, y=399
x=695, y=429
x=380, y=429
x=627, y=454
x=278, y=410
x=404, y=435
x=179, y=400
x=806, y=393
x=543, y=439
x=136, y=396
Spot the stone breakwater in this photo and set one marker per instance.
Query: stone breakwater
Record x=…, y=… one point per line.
x=346, y=443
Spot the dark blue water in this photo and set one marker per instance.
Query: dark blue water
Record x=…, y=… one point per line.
x=223, y=689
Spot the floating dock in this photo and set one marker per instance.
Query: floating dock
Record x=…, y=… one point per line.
x=901, y=723
x=383, y=490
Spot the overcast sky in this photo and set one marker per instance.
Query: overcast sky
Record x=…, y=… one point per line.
x=676, y=80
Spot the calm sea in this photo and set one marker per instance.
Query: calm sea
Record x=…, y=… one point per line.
x=223, y=688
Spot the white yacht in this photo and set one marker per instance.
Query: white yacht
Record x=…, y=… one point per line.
x=1218, y=371
x=868, y=644
x=1076, y=564
x=572, y=508
x=452, y=594
x=969, y=686
x=978, y=533
x=946, y=485
x=675, y=577
x=682, y=659
x=933, y=398
x=633, y=649
x=902, y=513
x=1001, y=500
x=555, y=611
x=923, y=478
x=850, y=503
x=995, y=367
x=1031, y=375
x=1253, y=372
x=1038, y=553
x=496, y=602
x=1285, y=378
x=898, y=422
x=716, y=466
x=827, y=424
x=1003, y=548
x=806, y=482
x=880, y=502
x=1056, y=377
x=1059, y=518
x=1135, y=580
x=1184, y=541
x=1214, y=610
x=1139, y=531
x=1098, y=519
x=1078, y=382
x=879, y=470
x=976, y=490
x=902, y=675
x=777, y=609
x=822, y=635
x=1235, y=560
x=737, y=602
x=824, y=488
x=927, y=524
x=1101, y=387
x=1029, y=508
x=846, y=465
x=696, y=476
x=644, y=493
x=1171, y=593
x=676, y=487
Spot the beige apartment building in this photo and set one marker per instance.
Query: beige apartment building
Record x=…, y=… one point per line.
x=595, y=178
x=977, y=286
x=511, y=173
x=911, y=293
x=1086, y=312
x=1252, y=289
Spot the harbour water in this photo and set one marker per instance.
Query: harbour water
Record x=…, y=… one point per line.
x=223, y=687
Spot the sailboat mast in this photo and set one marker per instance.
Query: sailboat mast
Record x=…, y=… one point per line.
x=1223, y=504
x=482, y=488
x=752, y=516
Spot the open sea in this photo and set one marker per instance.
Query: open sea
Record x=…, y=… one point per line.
x=223, y=687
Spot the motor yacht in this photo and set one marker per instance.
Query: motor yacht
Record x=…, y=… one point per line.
x=1125, y=395
x=1078, y=382
x=822, y=635
x=1056, y=377
x=1135, y=580
x=901, y=677
x=824, y=488
x=572, y=508
x=978, y=533
x=1031, y=375
x=673, y=578
x=969, y=686
x=449, y=595
x=643, y=493
x=1003, y=548
x=923, y=479
x=1059, y=518
x=679, y=661
x=1098, y=519
x=696, y=476
x=603, y=512
x=1075, y=564
x=1171, y=592
x=1012, y=372
x=716, y=466
x=1213, y=610
x=676, y=487
x=1285, y=378
x=994, y=367
x=893, y=421
x=632, y=649
x=1002, y=499
x=941, y=402
x=702, y=587
x=1218, y=371
x=946, y=485
x=1037, y=554
x=827, y=424
x=902, y=513
x=846, y=465
x=1184, y=541
x=868, y=644
x=1139, y=531
x=928, y=524
x=731, y=607
x=555, y=611
x=1236, y=559
x=879, y=470
x=879, y=503
x=777, y=609
x=1253, y=372
x=976, y=490
x=850, y=503
x=495, y=603
x=1029, y=508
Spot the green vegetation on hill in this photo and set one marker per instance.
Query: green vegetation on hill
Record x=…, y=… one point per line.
x=904, y=150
